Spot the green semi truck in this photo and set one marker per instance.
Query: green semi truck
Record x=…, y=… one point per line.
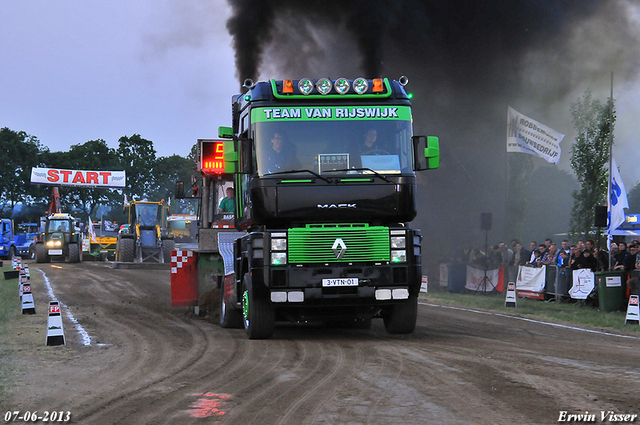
x=324, y=173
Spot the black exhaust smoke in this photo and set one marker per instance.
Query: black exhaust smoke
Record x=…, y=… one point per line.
x=467, y=61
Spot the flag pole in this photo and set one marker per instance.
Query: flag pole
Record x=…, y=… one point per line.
x=609, y=235
x=506, y=194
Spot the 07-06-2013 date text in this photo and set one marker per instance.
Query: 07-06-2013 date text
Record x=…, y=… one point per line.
x=55, y=416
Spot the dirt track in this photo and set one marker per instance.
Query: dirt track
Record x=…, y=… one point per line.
x=149, y=362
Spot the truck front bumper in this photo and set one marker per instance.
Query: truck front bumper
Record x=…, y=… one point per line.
x=355, y=285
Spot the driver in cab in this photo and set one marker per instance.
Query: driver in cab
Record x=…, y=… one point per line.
x=281, y=155
x=146, y=219
x=369, y=145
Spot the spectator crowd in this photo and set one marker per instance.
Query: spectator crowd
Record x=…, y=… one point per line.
x=582, y=255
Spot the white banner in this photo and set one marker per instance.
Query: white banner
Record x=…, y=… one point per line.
x=476, y=279
x=528, y=136
x=81, y=178
x=531, y=279
x=92, y=231
x=583, y=283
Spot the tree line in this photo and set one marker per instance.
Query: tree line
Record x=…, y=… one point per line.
x=149, y=177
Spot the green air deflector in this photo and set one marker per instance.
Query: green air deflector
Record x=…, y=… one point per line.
x=315, y=243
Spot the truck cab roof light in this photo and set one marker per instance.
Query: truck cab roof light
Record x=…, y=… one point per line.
x=305, y=86
x=360, y=85
x=324, y=86
x=287, y=86
x=342, y=85
x=377, y=85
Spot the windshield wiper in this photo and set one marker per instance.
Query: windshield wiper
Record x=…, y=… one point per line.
x=365, y=169
x=300, y=171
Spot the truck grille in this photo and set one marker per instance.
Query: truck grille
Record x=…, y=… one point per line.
x=314, y=243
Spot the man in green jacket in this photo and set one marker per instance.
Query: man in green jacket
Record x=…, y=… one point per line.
x=228, y=203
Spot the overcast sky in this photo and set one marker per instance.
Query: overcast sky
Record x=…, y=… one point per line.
x=73, y=71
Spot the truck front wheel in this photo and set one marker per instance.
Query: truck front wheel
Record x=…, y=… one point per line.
x=259, y=319
x=126, y=250
x=168, y=245
x=230, y=317
x=42, y=256
x=401, y=318
x=74, y=254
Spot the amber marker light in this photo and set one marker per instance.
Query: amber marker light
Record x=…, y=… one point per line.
x=287, y=86
x=377, y=85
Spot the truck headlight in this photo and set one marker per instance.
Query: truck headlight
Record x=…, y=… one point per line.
x=398, y=242
x=278, y=244
x=399, y=256
x=278, y=258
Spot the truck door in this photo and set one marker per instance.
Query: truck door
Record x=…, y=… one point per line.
x=6, y=231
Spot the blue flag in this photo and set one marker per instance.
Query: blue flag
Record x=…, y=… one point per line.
x=617, y=199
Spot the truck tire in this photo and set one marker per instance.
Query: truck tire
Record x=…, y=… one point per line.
x=259, y=319
x=401, y=318
x=41, y=254
x=168, y=245
x=73, y=254
x=230, y=317
x=126, y=250
x=12, y=252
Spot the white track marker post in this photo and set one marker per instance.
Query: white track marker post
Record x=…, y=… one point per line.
x=28, y=306
x=424, y=287
x=633, y=311
x=14, y=263
x=26, y=271
x=511, y=300
x=55, y=333
x=23, y=281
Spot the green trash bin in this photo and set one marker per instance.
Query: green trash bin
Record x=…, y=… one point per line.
x=611, y=286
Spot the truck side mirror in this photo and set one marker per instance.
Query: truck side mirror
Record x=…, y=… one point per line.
x=427, y=152
x=179, y=193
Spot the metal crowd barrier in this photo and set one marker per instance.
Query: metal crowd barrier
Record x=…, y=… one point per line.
x=558, y=281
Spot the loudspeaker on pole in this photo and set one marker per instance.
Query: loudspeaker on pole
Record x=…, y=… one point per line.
x=485, y=221
x=55, y=332
x=600, y=216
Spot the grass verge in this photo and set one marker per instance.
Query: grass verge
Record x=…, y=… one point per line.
x=568, y=312
x=10, y=310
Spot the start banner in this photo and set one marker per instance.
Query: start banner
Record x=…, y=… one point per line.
x=81, y=178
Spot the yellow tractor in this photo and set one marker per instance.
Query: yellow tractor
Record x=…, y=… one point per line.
x=145, y=238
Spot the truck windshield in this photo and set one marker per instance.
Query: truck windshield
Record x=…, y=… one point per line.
x=147, y=214
x=183, y=229
x=58, y=226
x=329, y=139
x=28, y=228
